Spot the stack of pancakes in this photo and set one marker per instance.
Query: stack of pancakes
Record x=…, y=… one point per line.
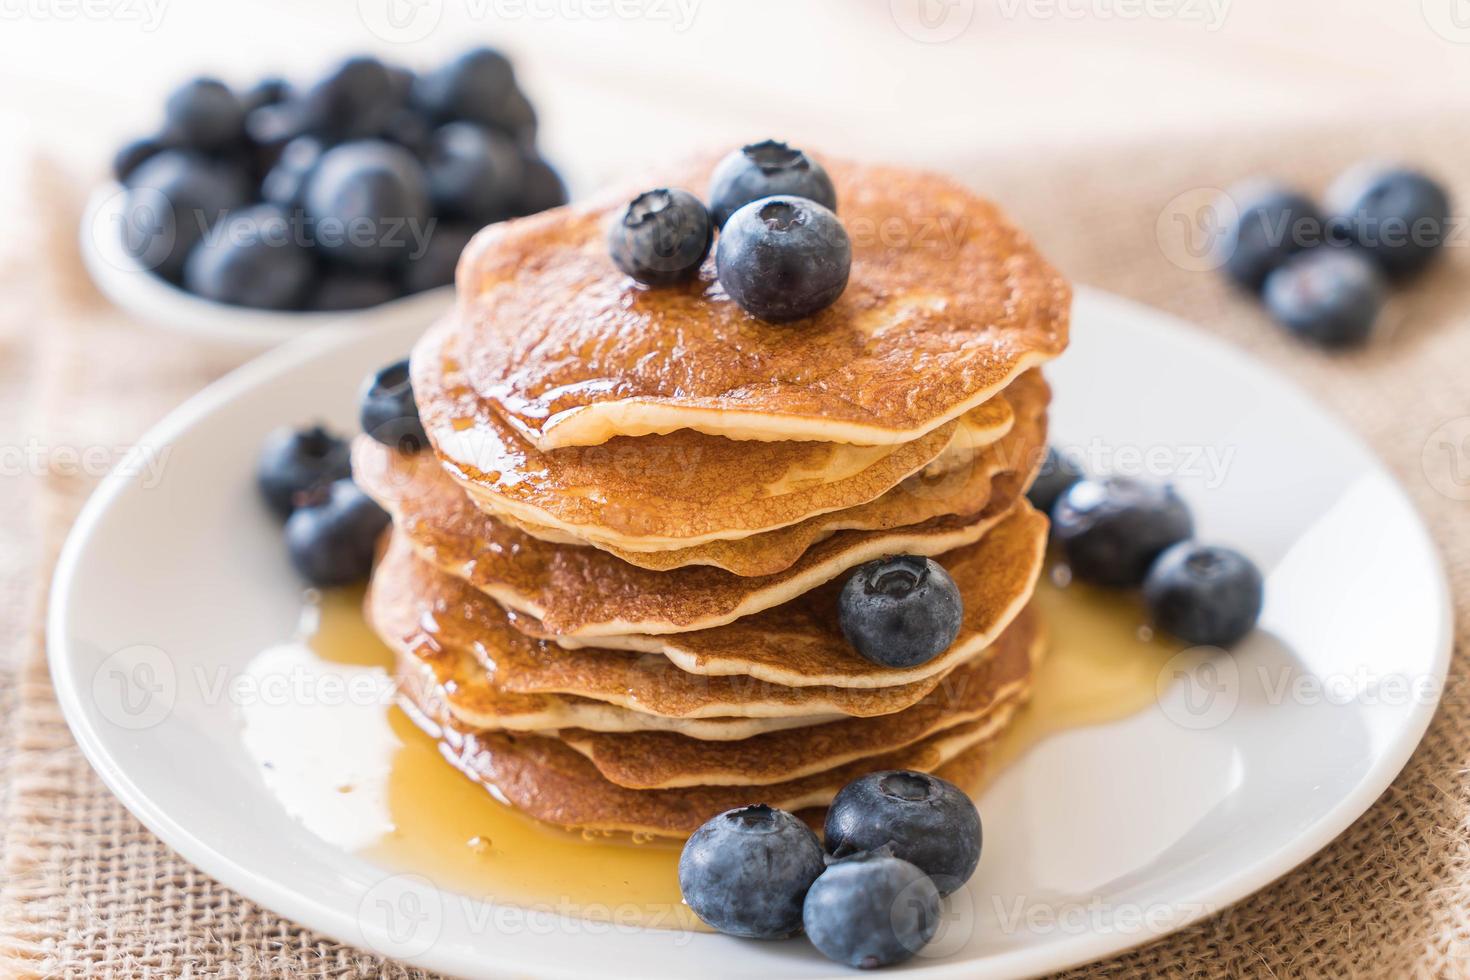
x=612, y=581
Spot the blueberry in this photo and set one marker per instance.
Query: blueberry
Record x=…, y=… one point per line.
x=174, y=197
x=203, y=114
x=871, y=910
x=345, y=290
x=766, y=169
x=389, y=413
x=541, y=187
x=746, y=871
x=900, y=611
x=927, y=821
x=1272, y=223
x=368, y=201
x=332, y=538
x=1057, y=474
x=474, y=173
x=277, y=124
x=473, y=86
x=352, y=101
x=133, y=154
x=295, y=462
x=782, y=258
x=255, y=257
x=411, y=131
x=1329, y=296
x=1204, y=594
x=661, y=236
x=285, y=183
x=1112, y=529
x=1398, y=216
x=268, y=91
x=434, y=265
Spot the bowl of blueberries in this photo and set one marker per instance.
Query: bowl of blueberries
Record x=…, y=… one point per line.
x=254, y=215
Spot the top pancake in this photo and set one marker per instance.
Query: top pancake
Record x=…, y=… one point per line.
x=947, y=302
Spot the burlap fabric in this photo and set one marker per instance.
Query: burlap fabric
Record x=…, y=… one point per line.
x=89, y=892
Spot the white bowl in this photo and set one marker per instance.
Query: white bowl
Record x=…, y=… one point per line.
x=154, y=301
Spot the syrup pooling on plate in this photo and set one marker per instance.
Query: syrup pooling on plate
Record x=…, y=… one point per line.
x=353, y=769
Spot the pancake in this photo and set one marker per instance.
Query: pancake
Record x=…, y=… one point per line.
x=659, y=492
x=433, y=616
x=947, y=302
x=548, y=780
x=584, y=592
x=661, y=760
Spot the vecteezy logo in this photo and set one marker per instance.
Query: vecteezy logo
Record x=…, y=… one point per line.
x=1450, y=19
x=1446, y=458
x=1199, y=688
x=136, y=687
x=1191, y=228
x=401, y=916
x=932, y=21
x=400, y=21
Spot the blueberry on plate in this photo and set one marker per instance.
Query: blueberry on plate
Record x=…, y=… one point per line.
x=203, y=114
x=782, y=258
x=927, y=821
x=1112, y=529
x=1329, y=296
x=369, y=204
x=344, y=289
x=285, y=182
x=1271, y=224
x=256, y=257
x=900, y=611
x=133, y=154
x=389, y=413
x=1057, y=474
x=766, y=169
x=661, y=236
x=1398, y=216
x=473, y=86
x=871, y=910
x=352, y=101
x=474, y=173
x=746, y=871
x=174, y=197
x=433, y=265
x=332, y=538
x=295, y=462
x=541, y=188
x=1204, y=594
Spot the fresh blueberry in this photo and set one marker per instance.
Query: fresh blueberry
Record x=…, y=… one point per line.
x=347, y=290
x=1057, y=474
x=332, y=539
x=474, y=173
x=871, y=910
x=133, y=154
x=255, y=257
x=434, y=265
x=782, y=258
x=369, y=203
x=285, y=183
x=279, y=123
x=541, y=187
x=174, y=197
x=900, y=611
x=1398, y=216
x=1112, y=529
x=295, y=462
x=766, y=169
x=661, y=236
x=1204, y=594
x=927, y=821
x=411, y=131
x=268, y=91
x=352, y=101
x=389, y=413
x=746, y=871
x=1329, y=296
x=516, y=118
x=205, y=115
x=473, y=86
x=1272, y=223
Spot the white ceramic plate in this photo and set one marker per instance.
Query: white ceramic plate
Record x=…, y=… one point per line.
x=152, y=300
x=1099, y=839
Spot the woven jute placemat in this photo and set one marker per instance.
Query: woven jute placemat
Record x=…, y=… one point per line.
x=88, y=892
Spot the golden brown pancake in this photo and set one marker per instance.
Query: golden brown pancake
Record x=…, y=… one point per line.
x=665, y=759
x=584, y=592
x=661, y=492
x=935, y=320
x=421, y=611
x=550, y=781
